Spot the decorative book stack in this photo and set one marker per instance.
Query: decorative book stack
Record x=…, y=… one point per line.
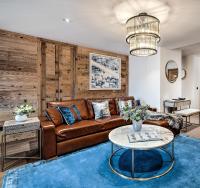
x=144, y=136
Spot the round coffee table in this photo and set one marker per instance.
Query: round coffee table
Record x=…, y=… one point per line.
x=119, y=137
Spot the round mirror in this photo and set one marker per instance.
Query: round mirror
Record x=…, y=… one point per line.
x=171, y=71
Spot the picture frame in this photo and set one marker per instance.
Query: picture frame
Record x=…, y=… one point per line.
x=104, y=72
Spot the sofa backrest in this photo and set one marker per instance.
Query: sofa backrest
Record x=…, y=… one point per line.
x=85, y=105
x=80, y=103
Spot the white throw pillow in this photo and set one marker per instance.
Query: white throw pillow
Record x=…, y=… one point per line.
x=123, y=104
x=101, y=109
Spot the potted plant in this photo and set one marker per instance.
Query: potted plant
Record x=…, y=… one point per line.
x=22, y=112
x=136, y=115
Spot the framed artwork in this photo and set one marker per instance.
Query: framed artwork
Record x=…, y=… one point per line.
x=105, y=72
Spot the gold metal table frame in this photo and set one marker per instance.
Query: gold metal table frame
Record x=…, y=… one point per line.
x=133, y=177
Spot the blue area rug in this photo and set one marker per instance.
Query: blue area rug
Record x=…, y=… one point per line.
x=89, y=169
x=144, y=161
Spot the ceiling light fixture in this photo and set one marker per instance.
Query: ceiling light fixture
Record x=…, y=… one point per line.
x=143, y=34
x=66, y=20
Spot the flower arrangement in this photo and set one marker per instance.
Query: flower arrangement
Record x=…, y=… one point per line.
x=137, y=114
x=24, y=109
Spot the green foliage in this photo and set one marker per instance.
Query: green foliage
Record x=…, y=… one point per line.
x=135, y=114
x=24, y=108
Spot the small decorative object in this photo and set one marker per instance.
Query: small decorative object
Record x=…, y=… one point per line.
x=137, y=125
x=136, y=115
x=143, y=34
x=22, y=111
x=105, y=72
x=183, y=74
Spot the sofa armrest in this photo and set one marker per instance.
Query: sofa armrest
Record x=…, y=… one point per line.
x=49, y=144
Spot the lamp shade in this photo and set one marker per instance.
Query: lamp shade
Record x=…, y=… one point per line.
x=143, y=34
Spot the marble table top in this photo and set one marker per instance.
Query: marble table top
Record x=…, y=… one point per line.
x=119, y=137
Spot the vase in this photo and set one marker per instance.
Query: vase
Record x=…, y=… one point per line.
x=137, y=125
x=20, y=118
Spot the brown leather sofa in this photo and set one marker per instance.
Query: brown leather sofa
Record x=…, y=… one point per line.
x=61, y=139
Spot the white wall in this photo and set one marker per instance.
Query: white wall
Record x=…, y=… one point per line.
x=147, y=80
x=170, y=90
x=189, y=85
x=144, y=79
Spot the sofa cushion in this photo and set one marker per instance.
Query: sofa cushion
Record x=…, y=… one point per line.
x=124, y=99
x=162, y=123
x=81, y=128
x=70, y=114
x=76, y=113
x=55, y=116
x=112, y=122
x=112, y=106
x=80, y=104
x=123, y=104
x=101, y=109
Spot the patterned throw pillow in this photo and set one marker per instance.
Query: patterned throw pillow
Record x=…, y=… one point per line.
x=76, y=113
x=122, y=104
x=101, y=109
x=70, y=114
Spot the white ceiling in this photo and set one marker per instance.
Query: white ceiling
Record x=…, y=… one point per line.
x=94, y=23
x=193, y=49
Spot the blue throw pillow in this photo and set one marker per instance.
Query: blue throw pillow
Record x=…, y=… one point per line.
x=77, y=112
x=70, y=114
x=67, y=115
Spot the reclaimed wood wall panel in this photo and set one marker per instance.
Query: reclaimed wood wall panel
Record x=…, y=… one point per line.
x=50, y=52
x=42, y=70
x=82, y=75
x=66, y=72
x=18, y=72
x=57, y=72
x=49, y=80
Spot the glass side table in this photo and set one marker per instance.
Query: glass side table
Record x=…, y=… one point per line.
x=13, y=127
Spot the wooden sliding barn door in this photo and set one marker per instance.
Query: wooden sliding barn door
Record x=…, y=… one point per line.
x=49, y=77
x=57, y=72
x=66, y=72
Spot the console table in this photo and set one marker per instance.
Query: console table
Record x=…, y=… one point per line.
x=176, y=104
x=15, y=128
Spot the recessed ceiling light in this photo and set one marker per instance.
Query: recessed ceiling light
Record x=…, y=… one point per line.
x=67, y=20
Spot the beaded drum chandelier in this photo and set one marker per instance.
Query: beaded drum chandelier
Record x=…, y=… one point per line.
x=143, y=34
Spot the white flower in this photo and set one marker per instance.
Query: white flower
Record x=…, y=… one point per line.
x=24, y=109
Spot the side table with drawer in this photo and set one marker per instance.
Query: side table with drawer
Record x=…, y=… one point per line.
x=13, y=127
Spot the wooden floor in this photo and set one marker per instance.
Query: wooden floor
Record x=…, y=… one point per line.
x=1, y=177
